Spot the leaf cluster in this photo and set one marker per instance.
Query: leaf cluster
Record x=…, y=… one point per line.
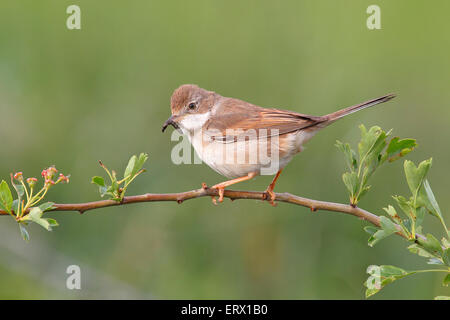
x=115, y=189
x=374, y=149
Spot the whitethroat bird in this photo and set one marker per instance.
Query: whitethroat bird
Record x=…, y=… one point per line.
x=240, y=140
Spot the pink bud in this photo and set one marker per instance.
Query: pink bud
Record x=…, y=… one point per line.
x=31, y=182
x=18, y=176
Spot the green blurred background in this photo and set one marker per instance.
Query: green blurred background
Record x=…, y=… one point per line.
x=71, y=97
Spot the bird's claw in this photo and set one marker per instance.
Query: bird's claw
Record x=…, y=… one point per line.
x=221, y=190
x=270, y=196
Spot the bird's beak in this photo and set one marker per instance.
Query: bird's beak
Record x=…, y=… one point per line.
x=171, y=121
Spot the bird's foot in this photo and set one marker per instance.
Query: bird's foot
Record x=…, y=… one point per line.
x=221, y=189
x=270, y=196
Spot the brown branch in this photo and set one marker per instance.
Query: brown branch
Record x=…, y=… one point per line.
x=314, y=205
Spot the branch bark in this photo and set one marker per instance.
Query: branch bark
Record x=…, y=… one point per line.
x=313, y=205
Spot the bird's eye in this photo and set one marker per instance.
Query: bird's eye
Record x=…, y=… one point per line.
x=191, y=105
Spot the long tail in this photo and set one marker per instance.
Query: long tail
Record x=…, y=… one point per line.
x=342, y=113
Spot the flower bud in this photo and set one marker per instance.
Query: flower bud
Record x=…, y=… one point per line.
x=51, y=171
x=63, y=178
x=49, y=183
x=31, y=182
x=18, y=176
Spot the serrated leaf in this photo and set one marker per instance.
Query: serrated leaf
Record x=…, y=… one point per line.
x=6, y=198
x=351, y=182
x=24, y=232
x=390, y=210
x=368, y=140
x=415, y=176
x=350, y=156
x=380, y=276
x=398, y=148
x=405, y=205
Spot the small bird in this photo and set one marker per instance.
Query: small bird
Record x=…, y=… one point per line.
x=240, y=140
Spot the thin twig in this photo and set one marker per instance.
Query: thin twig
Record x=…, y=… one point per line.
x=313, y=205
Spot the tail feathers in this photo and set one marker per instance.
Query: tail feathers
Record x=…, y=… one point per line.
x=342, y=113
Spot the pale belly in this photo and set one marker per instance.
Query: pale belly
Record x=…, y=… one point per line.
x=260, y=156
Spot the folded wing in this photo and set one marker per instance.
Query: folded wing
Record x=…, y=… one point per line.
x=236, y=119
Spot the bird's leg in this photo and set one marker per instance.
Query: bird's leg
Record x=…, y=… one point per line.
x=269, y=189
x=221, y=186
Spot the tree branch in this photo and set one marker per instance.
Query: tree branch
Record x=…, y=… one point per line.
x=314, y=205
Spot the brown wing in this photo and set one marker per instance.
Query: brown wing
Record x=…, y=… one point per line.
x=235, y=118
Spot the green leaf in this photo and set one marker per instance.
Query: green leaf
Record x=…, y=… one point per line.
x=352, y=183
x=44, y=223
x=446, y=243
x=98, y=181
x=387, y=228
x=441, y=298
x=24, y=232
x=135, y=165
x=368, y=140
x=370, y=229
x=415, y=176
x=6, y=198
x=436, y=261
x=47, y=206
x=432, y=200
x=52, y=222
x=427, y=198
x=398, y=148
x=35, y=216
x=393, y=213
x=130, y=167
x=15, y=206
x=350, y=155
x=415, y=248
x=431, y=244
x=19, y=189
x=446, y=280
x=387, y=225
x=446, y=256
x=35, y=213
x=371, y=145
x=380, y=276
x=405, y=205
